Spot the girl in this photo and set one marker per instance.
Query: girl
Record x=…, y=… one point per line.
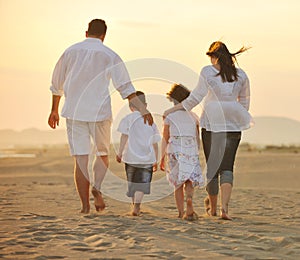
x=181, y=144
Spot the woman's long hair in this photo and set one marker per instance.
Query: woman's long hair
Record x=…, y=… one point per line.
x=226, y=60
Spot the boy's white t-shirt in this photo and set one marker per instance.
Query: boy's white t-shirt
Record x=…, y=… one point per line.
x=141, y=137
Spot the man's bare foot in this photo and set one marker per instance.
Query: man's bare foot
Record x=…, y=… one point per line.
x=98, y=200
x=180, y=214
x=224, y=215
x=85, y=210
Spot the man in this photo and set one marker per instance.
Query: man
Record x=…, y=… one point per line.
x=82, y=75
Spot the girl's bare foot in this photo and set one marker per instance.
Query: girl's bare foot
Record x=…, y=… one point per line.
x=224, y=215
x=189, y=206
x=98, y=200
x=190, y=213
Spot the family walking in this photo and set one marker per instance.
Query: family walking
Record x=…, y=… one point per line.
x=83, y=74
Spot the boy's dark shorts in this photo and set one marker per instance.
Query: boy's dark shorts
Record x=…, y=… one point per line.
x=139, y=178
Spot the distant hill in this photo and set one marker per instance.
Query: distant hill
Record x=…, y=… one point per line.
x=273, y=131
x=267, y=131
x=32, y=137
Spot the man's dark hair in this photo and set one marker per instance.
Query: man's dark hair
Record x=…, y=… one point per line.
x=97, y=27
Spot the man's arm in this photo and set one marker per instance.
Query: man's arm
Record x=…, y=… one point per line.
x=53, y=119
x=141, y=108
x=123, y=141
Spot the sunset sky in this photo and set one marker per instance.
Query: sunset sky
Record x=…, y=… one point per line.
x=34, y=33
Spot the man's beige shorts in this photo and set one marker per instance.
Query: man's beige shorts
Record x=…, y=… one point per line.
x=80, y=134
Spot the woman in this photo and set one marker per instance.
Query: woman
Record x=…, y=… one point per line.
x=225, y=114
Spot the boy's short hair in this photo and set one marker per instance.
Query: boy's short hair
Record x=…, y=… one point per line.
x=97, y=27
x=178, y=92
x=141, y=96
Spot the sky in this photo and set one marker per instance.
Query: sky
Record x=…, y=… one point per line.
x=171, y=33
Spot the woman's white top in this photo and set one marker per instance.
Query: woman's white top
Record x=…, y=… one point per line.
x=225, y=104
x=141, y=137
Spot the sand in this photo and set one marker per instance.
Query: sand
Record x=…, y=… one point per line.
x=39, y=213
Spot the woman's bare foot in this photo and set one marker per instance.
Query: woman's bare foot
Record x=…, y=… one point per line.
x=207, y=207
x=98, y=200
x=224, y=215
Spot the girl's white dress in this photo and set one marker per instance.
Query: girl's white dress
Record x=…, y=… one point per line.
x=182, y=150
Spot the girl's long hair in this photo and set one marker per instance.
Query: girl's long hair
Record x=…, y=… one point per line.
x=226, y=60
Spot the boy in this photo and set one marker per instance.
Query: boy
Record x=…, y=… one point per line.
x=139, y=151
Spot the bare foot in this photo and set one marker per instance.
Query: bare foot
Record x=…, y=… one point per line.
x=207, y=207
x=224, y=215
x=136, y=210
x=180, y=214
x=189, y=206
x=85, y=210
x=190, y=214
x=98, y=200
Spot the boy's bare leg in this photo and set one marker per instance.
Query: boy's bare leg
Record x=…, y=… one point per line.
x=179, y=198
x=81, y=179
x=138, y=197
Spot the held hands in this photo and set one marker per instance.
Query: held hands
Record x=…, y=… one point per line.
x=162, y=164
x=119, y=158
x=155, y=167
x=53, y=119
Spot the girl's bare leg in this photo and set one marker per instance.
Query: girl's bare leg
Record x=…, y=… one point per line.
x=189, y=191
x=179, y=198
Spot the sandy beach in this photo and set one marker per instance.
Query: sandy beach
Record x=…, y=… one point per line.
x=39, y=212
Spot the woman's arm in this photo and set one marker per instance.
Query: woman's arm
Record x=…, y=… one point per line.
x=244, y=95
x=173, y=109
x=195, y=97
x=155, y=148
x=164, y=143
